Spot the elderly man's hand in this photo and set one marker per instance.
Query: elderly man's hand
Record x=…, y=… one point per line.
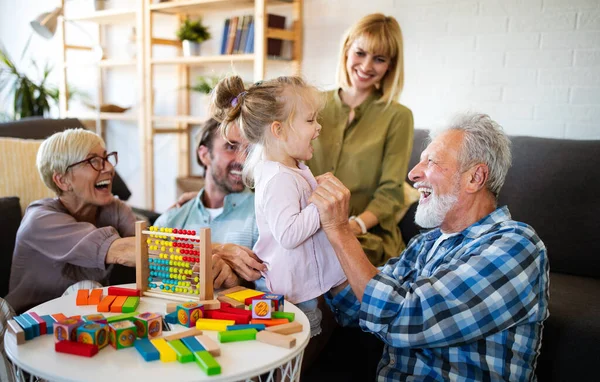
x=184, y=198
x=332, y=199
x=223, y=275
x=243, y=261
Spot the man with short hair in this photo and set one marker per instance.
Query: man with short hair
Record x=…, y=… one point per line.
x=224, y=204
x=467, y=299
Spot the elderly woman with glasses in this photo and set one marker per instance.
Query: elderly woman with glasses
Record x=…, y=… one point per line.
x=79, y=234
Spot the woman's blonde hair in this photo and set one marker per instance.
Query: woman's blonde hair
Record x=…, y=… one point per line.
x=62, y=149
x=383, y=36
x=254, y=110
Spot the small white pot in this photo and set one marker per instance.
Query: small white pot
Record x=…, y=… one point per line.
x=190, y=48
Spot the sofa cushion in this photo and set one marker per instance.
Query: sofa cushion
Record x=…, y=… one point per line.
x=10, y=211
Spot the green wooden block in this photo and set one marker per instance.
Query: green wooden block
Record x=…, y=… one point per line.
x=207, y=363
x=121, y=317
x=237, y=335
x=184, y=355
x=130, y=304
x=289, y=315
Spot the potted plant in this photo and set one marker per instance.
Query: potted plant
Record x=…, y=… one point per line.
x=192, y=33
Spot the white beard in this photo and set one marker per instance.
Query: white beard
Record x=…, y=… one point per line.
x=432, y=213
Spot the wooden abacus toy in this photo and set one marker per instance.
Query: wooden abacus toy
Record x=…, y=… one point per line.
x=173, y=263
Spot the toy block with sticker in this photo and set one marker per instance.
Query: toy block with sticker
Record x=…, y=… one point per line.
x=95, y=317
x=66, y=330
x=146, y=349
x=278, y=300
x=207, y=363
x=289, y=328
x=93, y=334
x=148, y=325
x=188, y=313
x=242, y=295
x=237, y=335
x=82, y=297
x=76, y=348
x=276, y=339
x=17, y=331
x=211, y=324
x=262, y=308
x=174, y=264
x=95, y=297
x=122, y=334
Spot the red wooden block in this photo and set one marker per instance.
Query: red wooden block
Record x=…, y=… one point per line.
x=76, y=348
x=118, y=291
x=248, y=301
x=238, y=318
x=241, y=312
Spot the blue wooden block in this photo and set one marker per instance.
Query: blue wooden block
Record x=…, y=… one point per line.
x=34, y=324
x=146, y=349
x=171, y=318
x=192, y=344
x=27, y=327
x=258, y=327
x=49, y=323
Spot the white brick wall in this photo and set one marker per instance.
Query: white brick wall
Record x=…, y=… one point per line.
x=533, y=65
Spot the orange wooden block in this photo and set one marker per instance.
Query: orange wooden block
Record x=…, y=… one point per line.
x=272, y=322
x=105, y=304
x=117, y=305
x=82, y=297
x=95, y=296
x=58, y=317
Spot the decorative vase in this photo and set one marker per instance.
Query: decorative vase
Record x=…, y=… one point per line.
x=190, y=48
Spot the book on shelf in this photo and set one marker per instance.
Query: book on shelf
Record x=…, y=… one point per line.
x=225, y=35
x=231, y=34
x=274, y=45
x=250, y=37
x=238, y=35
x=244, y=35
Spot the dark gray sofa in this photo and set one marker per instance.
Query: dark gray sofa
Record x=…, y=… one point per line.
x=553, y=186
x=10, y=212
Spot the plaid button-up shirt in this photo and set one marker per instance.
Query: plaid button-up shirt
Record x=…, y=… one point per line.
x=473, y=311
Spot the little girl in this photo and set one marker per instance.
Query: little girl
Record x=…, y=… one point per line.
x=279, y=119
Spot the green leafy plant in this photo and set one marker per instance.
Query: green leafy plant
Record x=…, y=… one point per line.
x=205, y=84
x=193, y=31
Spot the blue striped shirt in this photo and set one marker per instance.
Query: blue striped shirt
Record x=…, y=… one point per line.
x=472, y=312
x=236, y=224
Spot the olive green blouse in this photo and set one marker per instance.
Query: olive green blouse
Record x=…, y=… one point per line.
x=370, y=156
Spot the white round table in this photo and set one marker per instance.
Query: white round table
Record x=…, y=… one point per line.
x=239, y=360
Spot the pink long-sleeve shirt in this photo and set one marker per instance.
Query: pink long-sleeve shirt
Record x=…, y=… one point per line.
x=301, y=262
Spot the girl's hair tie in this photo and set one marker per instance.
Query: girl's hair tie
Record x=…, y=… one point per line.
x=235, y=100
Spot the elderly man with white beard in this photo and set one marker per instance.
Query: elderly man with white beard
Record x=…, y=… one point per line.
x=467, y=299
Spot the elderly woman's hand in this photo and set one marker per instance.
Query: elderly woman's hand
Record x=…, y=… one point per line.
x=122, y=251
x=243, y=261
x=332, y=199
x=223, y=276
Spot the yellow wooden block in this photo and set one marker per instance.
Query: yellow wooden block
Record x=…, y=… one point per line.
x=210, y=324
x=167, y=354
x=244, y=294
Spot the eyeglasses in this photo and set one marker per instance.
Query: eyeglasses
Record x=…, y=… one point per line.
x=98, y=163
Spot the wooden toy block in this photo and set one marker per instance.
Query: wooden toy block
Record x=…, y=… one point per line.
x=289, y=328
x=171, y=318
x=49, y=323
x=82, y=297
x=207, y=363
x=210, y=304
x=17, y=331
x=172, y=307
x=230, y=301
x=261, y=308
x=287, y=315
x=186, y=333
x=95, y=296
x=131, y=304
x=121, y=317
x=146, y=349
x=66, y=330
x=188, y=313
x=122, y=334
x=76, y=348
x=119, y=291
x=105, y=304
x=93, y=334
x=184, y=355
x=219, y=315
x=231, y=290
x=167, y=354
x=271, y=322
x=239, y=311
x=148, y=325
x=210, y=324
x=242, y=295
x=26, y=326
x=258, y=327
x=58, y=317
x=34, y=324
x=278, y=300
x=41, y=323
x=95, y=317
x=192, y=344
x=117, y=305
x=237, y=335
x=211, y=346
x=272, y=338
